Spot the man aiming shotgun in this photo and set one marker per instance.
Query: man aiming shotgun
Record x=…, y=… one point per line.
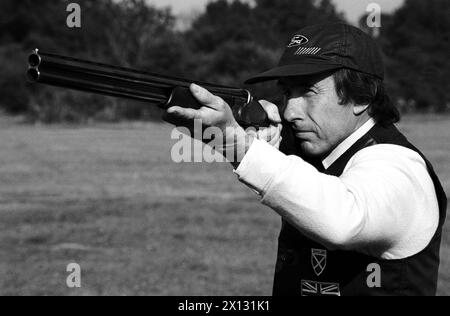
x=361, y=207
x=353, y=193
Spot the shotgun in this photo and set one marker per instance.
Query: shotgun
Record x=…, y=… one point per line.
x=163, y=91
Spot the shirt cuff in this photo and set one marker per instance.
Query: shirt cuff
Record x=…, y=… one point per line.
x=260, y=166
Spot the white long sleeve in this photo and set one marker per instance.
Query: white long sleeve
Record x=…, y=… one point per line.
x=384, y=204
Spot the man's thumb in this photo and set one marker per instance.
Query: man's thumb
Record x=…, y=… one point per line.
x=272, y=111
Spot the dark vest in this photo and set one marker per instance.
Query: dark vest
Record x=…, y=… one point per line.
x=307, y=268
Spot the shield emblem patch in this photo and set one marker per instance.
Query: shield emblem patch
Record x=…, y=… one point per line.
x=318, y=260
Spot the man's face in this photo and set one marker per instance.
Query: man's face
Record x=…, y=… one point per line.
x=312, y=109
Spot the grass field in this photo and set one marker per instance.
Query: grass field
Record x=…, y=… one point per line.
x=109, y=198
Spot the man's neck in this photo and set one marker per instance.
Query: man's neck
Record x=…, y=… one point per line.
x=359, y=132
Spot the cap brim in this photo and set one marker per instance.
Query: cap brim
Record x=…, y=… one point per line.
x=292, y=71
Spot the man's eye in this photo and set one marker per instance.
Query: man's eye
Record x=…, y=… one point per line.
x=288, y=93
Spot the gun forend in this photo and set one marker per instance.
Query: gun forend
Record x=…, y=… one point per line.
x=165, y=91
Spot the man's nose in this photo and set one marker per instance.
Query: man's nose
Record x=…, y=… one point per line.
x=294, y=109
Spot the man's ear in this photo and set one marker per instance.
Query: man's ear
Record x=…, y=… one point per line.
x=359, y=109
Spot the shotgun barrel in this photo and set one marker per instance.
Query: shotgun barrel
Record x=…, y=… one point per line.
x=162, y=90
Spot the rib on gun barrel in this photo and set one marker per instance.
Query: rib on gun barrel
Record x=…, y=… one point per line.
x=165, y=91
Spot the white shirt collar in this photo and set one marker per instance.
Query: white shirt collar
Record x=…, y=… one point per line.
x=347, y=143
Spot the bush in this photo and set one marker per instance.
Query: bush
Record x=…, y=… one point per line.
x=14, y=89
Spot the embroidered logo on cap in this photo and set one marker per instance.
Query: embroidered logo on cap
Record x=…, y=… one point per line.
x=298, y=40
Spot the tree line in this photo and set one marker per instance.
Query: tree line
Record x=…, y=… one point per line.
x=225, y=44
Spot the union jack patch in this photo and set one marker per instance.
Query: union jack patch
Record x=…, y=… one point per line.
x=313, y=288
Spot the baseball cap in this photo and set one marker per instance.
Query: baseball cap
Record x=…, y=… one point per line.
x=324, y=47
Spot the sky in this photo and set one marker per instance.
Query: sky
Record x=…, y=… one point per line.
x=353, y=9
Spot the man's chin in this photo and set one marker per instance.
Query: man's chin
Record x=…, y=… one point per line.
x=309, y=149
